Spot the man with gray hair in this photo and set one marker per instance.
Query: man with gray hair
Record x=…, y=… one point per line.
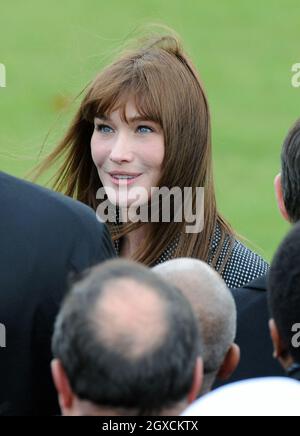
x=126, y=343
x=215, y=310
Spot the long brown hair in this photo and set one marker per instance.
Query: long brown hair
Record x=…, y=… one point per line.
x=167, y=89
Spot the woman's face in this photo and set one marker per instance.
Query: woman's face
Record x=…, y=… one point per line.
x=127, y=156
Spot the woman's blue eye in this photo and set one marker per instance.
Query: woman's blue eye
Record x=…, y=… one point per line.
x=144, y=129
x=102, y=128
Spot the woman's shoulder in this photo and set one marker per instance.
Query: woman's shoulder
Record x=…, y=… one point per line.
x=243, y=266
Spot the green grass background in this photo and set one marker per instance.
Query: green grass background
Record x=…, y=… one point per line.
x=243, y=50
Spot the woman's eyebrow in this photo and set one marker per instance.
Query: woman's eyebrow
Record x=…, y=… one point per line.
x=136, y=118
x=131, y=120
x=102, y=117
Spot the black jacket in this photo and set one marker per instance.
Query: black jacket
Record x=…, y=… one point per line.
x=44, y=237
x=253, y=335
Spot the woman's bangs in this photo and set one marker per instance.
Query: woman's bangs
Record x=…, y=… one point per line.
x=116, y=97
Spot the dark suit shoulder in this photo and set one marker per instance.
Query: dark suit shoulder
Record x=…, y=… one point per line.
x=253, y=335
x=52, y=232
x=45, y=239
x=19, y=193
x=37, y=213
x=259, y=284
x=253, y=294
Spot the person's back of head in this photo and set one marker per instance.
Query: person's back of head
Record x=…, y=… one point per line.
x=287, y=184
x=126, y=343
x=284, y=302
x=215, y=311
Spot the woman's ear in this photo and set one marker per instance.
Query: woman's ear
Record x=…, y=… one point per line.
x=279, y=197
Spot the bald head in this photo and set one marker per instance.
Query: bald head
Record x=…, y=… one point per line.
x=212, y=303
x=127, y=340
x=130, y=317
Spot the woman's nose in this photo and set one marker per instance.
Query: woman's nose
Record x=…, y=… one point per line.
x=121, y=150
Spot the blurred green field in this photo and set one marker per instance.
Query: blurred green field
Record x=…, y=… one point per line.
x=244, y=52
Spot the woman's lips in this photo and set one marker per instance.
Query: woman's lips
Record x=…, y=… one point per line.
x=123, y=182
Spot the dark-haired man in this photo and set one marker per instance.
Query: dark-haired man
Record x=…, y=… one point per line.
x=284, y=303
x=126, y=343
x=253, y=315
x=271, y=396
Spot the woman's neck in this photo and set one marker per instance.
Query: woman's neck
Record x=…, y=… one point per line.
x=131, y=242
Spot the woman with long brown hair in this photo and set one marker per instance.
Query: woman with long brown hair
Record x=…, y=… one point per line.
x=145, y=122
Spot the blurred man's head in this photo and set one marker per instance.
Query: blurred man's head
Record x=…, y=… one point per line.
x=287, y=184
x=215, y=310
x=126, y=343
x=284, y=300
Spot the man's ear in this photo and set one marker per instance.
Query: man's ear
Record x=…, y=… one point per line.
x=230, y=363
x=197, y=381
x=279, y=197
x=61, y=382
x=278, y=346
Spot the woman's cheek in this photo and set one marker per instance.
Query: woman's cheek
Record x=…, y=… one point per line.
x=98, y=154
x=93, y=150
x=156, y=159
x=153, y=155
x=158, y=153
